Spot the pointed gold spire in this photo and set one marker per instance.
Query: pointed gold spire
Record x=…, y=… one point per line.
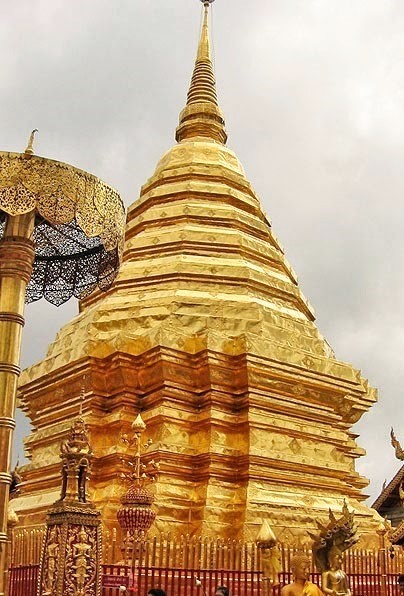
x=204, y=42
x=203, y=85
x=202, y=117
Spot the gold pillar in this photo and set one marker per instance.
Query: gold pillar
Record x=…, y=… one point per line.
x=16, y=260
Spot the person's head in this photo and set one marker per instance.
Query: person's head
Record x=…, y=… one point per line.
x=400, y=581
x=222, y=591
x=156, y=592
x=300, y=566
x=334, y=558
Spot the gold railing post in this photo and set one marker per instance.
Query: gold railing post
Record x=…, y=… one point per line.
x=382, y=559
x=11, y=523
x=16, y=261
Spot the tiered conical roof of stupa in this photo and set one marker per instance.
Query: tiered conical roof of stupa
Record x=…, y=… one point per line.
x=201, y=267
x=206, y=331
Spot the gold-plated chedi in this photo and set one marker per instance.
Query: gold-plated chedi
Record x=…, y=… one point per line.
x=206, y=332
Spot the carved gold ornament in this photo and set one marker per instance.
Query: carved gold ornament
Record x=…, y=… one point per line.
x=396, y=444
x=339, y=534
x=79, y=224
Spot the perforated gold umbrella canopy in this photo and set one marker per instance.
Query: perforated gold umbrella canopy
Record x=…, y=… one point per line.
x=61, y=234
x=78, y=229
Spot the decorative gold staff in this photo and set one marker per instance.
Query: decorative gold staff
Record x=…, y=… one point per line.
x=136, y=515
x=61, y=234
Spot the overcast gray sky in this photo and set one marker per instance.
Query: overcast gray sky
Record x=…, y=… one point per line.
x=313, y=94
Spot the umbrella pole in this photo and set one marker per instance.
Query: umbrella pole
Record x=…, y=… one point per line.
x=16, y=261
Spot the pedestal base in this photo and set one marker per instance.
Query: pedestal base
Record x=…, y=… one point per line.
x=71, y=554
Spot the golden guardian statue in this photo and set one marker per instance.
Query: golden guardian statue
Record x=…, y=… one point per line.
x=328, y=547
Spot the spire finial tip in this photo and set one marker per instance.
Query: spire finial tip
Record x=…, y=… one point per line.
x=30, y=146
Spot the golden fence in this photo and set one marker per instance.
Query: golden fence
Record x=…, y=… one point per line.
x=202, y=553
x=26, y=546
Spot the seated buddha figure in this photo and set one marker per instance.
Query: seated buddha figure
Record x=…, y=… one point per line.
x=301, y=586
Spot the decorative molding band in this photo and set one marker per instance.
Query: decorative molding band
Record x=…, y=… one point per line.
x=5, y=478
x=9, y=367
x=7, y=422
x=12, y=317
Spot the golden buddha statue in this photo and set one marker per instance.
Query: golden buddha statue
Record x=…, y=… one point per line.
x=334, y=581
x=301, y=586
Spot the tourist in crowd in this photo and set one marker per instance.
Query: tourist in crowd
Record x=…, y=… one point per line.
x=400, y=581
x=222, y=591
x=156, y=592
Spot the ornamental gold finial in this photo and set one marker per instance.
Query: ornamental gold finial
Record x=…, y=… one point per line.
x=136, y=515
x=396, y=444
x=30, y=146
x=138, y=425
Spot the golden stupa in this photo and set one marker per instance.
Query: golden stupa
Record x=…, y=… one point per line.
x=206, y=333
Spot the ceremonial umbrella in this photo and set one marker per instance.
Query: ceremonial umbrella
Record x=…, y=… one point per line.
x=61, y=235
